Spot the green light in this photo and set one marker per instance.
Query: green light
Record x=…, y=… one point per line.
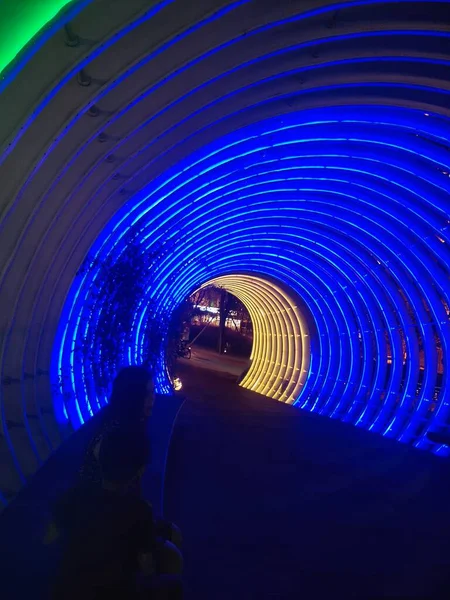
x=20, y=21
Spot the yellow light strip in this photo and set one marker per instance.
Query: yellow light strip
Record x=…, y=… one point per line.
x=281, y=352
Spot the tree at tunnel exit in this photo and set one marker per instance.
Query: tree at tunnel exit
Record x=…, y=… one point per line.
x=215, y=318
x=224, y=309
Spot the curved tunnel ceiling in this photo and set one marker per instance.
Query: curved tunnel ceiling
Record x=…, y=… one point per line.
x=302, y=143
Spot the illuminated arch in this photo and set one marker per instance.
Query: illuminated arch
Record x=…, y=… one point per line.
x=302, y=146
x=281, y=351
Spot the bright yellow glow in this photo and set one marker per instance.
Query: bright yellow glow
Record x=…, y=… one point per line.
x=281, y=352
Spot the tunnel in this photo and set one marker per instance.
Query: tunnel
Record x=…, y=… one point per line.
x=293, y=153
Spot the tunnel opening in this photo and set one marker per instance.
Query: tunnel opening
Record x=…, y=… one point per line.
x=219, y=321
x=279, y=357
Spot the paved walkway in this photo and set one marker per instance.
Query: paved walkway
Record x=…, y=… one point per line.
x=225, y=363
x=276, y=503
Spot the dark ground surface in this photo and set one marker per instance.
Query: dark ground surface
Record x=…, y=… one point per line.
x=277, y=503
x=27, y=566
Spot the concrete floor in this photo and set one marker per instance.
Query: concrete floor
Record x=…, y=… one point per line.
x=212, y=361
x=276, y=503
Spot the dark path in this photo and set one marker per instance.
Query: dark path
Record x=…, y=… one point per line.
x=276, y=503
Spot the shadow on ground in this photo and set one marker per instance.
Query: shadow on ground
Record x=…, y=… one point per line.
x=277, y=503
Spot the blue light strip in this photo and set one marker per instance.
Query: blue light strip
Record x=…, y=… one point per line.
x=361, y=235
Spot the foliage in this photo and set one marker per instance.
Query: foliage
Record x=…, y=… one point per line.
x=119, y=287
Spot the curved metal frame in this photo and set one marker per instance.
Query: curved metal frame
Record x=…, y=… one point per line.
x=303, y=145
